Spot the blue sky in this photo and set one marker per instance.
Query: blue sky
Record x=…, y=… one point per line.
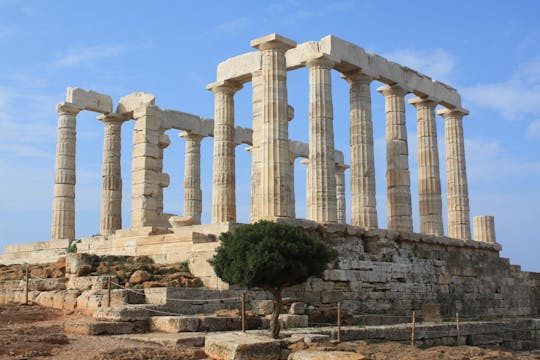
x=488, y=50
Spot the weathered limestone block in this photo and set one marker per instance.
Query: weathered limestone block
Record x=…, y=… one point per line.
x=89, y=301
x=174, y=324
x=289, y=321
x=124, y=313
x=134, y=101
x=74, y=261
x=213, y=323
x=95, y=283
x=237, y=346
x=99, y=328
x=89, y=100
x=262, y=307
x=297, y=308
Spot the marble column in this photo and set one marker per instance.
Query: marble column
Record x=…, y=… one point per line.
x=257, y=99
x=192, y=177
x=340, y=193
x=456, y=175
x=276, y=182
x=224, y=181
x=309, y=211
x=111, y=195
x=321, y=164
x=363, y=201
x=484, y=228
x=63, y=208
x=398, y=179
x=292, y=201
x=429, y=179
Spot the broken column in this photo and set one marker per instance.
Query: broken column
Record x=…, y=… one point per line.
x=276, y=183
x=398, y=179
x=341, y=206
x=484, y=228
x=456, y=175
x=63, y=209
x=111, y=195
x=321, y=164
x=224, y=182
x=429, y=180
x=363, y=201
x=192, y=177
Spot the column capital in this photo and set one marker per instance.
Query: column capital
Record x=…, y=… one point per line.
x=322, y=60
x=356, y=75
x=191, y=136
x=67, y=108
x=455, y=112
x=421, y=101
x=272, y=41
x=396, y=90
x=341, y=167
x=113, y=118
x=224, y=86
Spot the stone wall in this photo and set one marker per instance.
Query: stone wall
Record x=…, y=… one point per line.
x=383, y=276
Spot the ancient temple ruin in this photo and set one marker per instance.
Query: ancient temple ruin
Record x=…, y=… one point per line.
x=379, y=270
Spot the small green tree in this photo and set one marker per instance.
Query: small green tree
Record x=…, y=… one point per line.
x=271, y=256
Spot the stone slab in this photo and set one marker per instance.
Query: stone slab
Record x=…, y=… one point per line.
x=325, y=355
x=174, y=324
x=241, y=346
x=89, y=100
x=99, y=328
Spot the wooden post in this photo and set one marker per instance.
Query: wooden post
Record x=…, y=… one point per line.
x=457, y=328
x=109, y=291
x=243, y=312
x=413, y=328
x=26, y=285
x=339, y=321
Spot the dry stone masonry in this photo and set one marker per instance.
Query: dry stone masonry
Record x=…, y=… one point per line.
x=394, y=271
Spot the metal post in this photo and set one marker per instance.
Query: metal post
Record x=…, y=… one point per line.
x=413, y=328
x=339, y=321
x=457, y=328
x=243, y=312
x=26, y=285
x=109, y=291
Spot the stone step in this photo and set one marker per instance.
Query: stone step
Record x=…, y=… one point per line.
x=126, y=313
x=105, y=327
x=204, y=323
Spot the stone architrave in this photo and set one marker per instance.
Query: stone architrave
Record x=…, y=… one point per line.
x=398, y=179
x=276, y=182
x=111, y=195
x=224, y=182
x=63, y=208
x=147, y=179
x=484, y=228
x=192, y=177
x=340, y=194
x=321, y=164
x=363, y=201
x=456, y=175
x=429, y=179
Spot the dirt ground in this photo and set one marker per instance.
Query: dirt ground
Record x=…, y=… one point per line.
x=34, y=332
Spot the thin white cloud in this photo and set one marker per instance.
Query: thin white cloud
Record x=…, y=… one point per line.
x=87, y=54
x=487, y=160
x=234, y=25
x=437, y=64
x=533, y=131
x=514, y=98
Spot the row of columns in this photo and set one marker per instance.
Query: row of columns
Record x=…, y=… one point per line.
x=272, y=183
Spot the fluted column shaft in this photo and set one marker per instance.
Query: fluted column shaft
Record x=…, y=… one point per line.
x=273, y=146
x=398, y=179
x=456, y=176
x=224, y=180
x=321, y=164
x=484, y=228
x=192, y=177
x=363, y=200
x=63, y=208
x=309, y=211
x=429, y=179
x=255, y=149
x=292, y=202
x=111, y=195
x=340, y=194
